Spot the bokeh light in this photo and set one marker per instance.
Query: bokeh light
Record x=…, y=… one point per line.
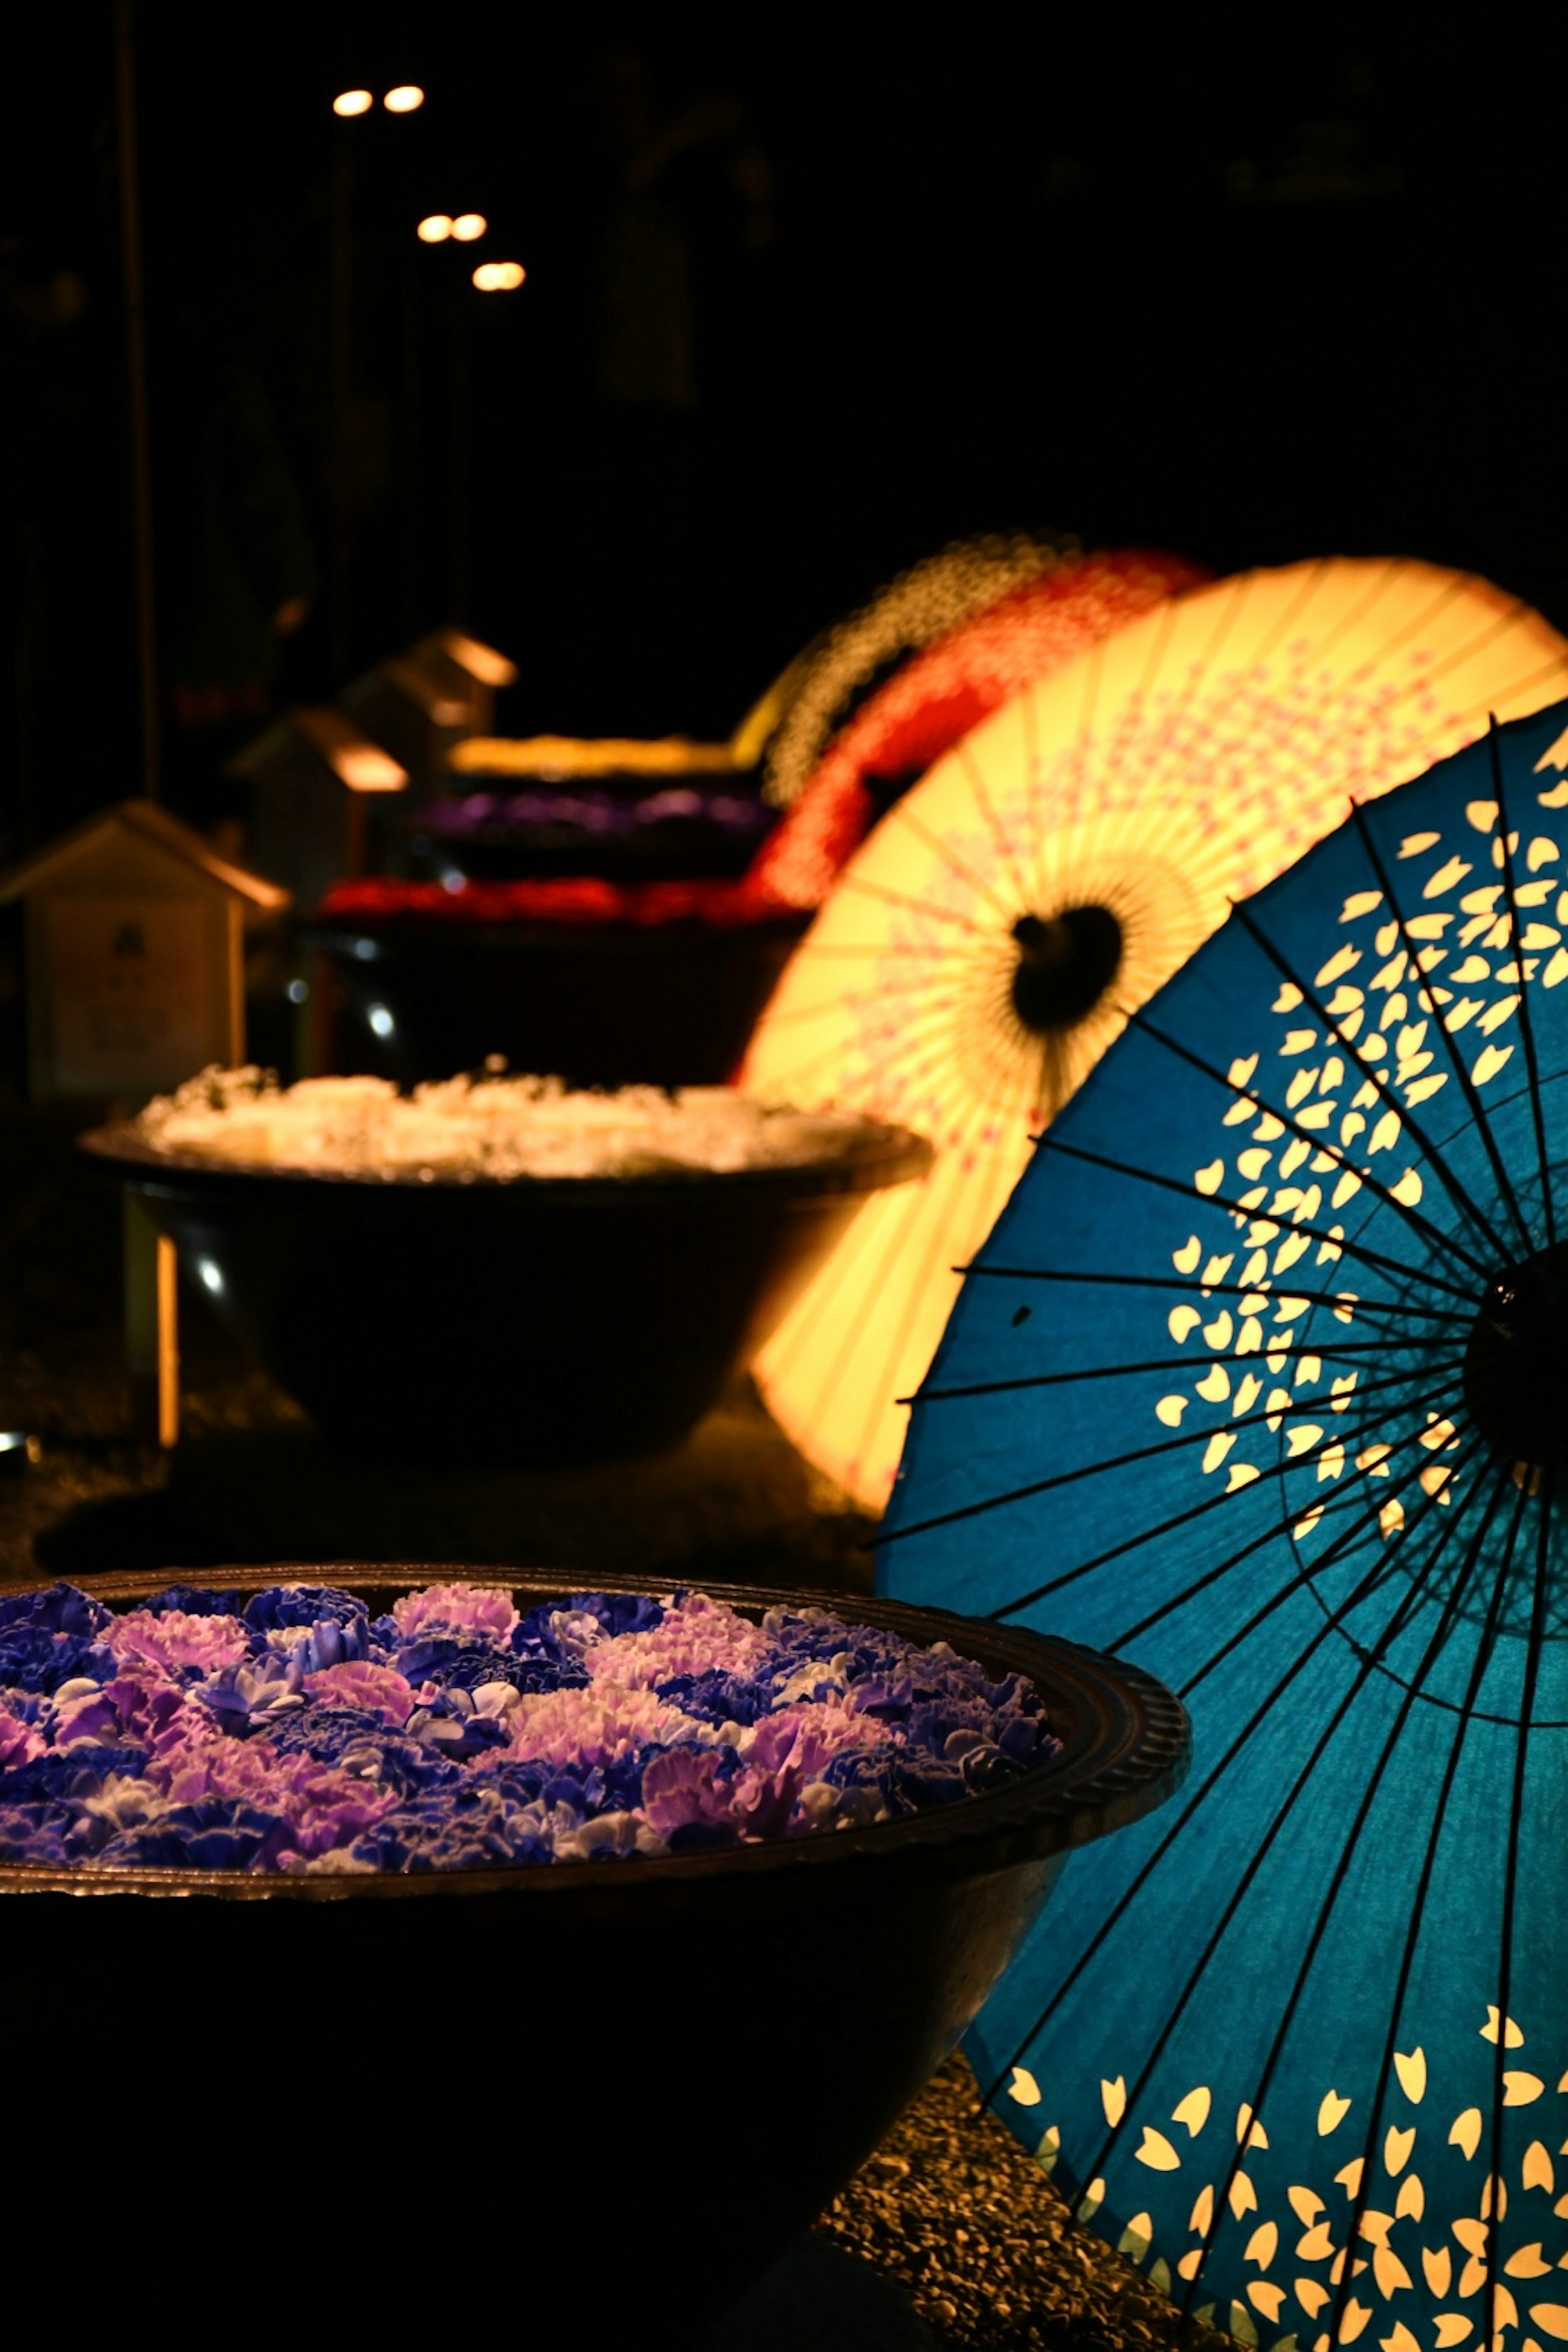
x=404, y=99
x=498, y=277
x=468, y=226
x=434, y=227
x=352, y=102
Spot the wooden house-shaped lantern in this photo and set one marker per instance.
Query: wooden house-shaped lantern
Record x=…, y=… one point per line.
x=134, y=954
x=134, y=936
x=318, y=787
x=470, y=670
x=417, y=704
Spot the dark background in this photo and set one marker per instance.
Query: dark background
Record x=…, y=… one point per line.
x=1251, y=292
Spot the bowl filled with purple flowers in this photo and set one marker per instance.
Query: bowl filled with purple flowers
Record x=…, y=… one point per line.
x=609, y=1922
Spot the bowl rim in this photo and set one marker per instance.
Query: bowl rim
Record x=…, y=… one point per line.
x=885, y=1154
x=1128, y=1752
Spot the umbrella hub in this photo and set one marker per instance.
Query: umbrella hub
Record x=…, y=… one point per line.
x=1515, y=1365
x=1065, y=963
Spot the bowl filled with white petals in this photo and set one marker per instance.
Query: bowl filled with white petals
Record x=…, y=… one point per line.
x=495, y=1268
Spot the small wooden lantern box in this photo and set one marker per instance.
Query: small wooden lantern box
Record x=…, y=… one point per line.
x=471, y=671
x=136, y=979
x=316, y=784
x=417, y=704
x=134, y=954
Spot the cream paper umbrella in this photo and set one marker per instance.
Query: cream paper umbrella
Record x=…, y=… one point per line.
x=1054, y=869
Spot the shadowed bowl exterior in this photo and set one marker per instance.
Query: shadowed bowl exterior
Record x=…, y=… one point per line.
x=538, y=1320
x=692, y=2051
x=607, y=1004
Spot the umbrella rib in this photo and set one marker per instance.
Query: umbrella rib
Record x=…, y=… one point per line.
x=982, y=1201
x=1270, y=1698
x=931, y=1023
x=1317, y=1142
x=1168, y=1526
x=1481, y=1661
x=818, y=1298
x=1346, y=1299
x=1398, y=1487
x=1119, y=1461
x=1375, y=1779
x=1367, y=1661
x=912, y=984
x=893, y=1256
x=942, y=851
x=1077, y=752
x=1456, y=1062
x=820, y=948
x=1049, y=1141
x=1303, y=1576
x=1334, y=1355
x=854, y=882
x=1466, y=1715
x=970, y=767
x=1510, y=1878
x=1450, y=1183
x=1527, y=1027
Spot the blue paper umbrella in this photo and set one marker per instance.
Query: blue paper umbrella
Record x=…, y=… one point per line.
x=1262, y=1380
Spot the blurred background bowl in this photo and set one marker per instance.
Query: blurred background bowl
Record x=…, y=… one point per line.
x=600, y=1004
x=538, y=1320
x=632, y=2082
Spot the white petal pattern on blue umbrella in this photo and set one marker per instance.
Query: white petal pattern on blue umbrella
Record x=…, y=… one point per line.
x=1262, y=1380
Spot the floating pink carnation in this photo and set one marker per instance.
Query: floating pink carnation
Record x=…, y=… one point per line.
x=357, y=1682
x=762, y=1805
x=322, y=1805
x=175, y=1643
x=19, y=1742
x=682, y=1787
x=699, y=1637
x=596, y=1726
x=807, y=1742
x=465, y=1610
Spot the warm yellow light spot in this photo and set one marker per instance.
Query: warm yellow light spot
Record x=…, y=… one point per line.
x=366, y=768
x=352, y=102
x=468, y=226
x=498, y=277
x=480, y=661
x=435, y=228
x=406, y=99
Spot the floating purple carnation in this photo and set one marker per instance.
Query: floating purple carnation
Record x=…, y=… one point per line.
x=282, y=1605
x=62, y=1609
x=296, y=1735
x=32, y=1658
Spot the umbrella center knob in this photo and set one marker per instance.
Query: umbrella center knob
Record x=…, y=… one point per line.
x=1065, y=963
x=1515, y=1365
